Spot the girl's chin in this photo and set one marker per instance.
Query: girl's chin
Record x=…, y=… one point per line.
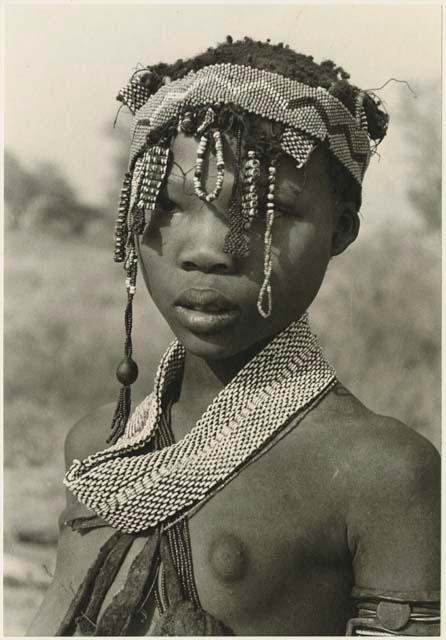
x=211, y=347
x=218, y=345
x=226, y=337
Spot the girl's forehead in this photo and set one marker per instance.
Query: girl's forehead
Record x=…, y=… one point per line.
x=290, y=178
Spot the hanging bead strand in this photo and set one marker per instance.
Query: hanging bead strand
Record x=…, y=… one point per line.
x=127, y=371
x=148, y=181
x=152, y=174
x=264, y=302
x=138, y=207
x=198, y=174
x=250, y=188
x=236, y=241
x=121, y=227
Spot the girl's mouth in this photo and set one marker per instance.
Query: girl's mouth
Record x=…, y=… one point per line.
x=205, y=311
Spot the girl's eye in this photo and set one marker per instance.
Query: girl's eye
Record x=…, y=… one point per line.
x=260, y=218
x=280, y=211
x=164, y=203
x=286, y=211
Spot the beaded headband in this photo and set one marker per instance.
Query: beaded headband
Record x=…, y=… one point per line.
x=205, y=103
x=310, y=114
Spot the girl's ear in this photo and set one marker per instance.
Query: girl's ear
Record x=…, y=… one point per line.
x=346, y=228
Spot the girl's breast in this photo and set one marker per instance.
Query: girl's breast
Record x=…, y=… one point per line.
x=228, y=558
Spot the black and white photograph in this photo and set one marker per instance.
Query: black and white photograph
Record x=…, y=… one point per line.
x=222, y=319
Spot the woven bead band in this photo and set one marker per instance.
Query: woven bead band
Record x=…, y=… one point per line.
x=310, y=114
x=135, y=492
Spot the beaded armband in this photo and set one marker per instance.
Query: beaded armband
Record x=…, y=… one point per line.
x=394, y=613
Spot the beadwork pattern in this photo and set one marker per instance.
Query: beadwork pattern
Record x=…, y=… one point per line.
x=304, y=117
x=134, y=94
x=311, y=114
x=202, y=147
x=250, y=200
x=148, y=177
x=138, y=491
x=264, y=302
x=121, y=227
x=138, y=199
x=236, y=241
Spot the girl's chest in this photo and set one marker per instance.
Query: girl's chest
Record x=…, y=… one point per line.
x=262, y=547
x=260, y=539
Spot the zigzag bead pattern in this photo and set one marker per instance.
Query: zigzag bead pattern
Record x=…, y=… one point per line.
x=312, y=112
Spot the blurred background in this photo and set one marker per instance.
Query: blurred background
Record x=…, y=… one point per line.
x=378, y=313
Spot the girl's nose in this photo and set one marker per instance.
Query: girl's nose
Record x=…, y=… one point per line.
x=205, y=227
x=202, y=243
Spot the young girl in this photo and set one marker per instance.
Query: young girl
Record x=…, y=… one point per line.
x=250, y=493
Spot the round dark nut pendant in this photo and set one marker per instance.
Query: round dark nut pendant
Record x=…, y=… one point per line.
x=127, y=371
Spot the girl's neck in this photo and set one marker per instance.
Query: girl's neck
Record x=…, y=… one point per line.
x=204, y=379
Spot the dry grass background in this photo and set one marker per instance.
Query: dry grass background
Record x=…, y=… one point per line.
x=378, y=315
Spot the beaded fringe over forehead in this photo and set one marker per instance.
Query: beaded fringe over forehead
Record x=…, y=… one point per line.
x=310, y=115
x=138, y=491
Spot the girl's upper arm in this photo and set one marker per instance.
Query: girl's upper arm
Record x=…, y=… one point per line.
x=395, y=515
x=76, y=551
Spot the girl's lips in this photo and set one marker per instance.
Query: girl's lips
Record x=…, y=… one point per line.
x=205, y=311
x=206, y=300
x=206, y=322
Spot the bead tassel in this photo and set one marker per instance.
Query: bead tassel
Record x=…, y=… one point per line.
x=121, y=227
x=139, y=195
x=236, y=242
x=250, y=185
x=198, y=174
x=150, y=178
x=127, y=370
x=264, y=302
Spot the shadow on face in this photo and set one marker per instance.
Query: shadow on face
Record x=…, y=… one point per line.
x=182, y=248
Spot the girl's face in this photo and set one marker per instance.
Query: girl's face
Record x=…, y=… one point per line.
x=208, y=297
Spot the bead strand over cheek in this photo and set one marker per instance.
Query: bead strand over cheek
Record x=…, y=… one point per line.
x=250, y=185
x=237, y=242
x=265, y=296
x=198, y=174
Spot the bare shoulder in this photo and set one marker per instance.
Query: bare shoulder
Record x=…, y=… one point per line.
x=385, y=451
x=89, y=434
x=378, y=454
x=390, y=496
